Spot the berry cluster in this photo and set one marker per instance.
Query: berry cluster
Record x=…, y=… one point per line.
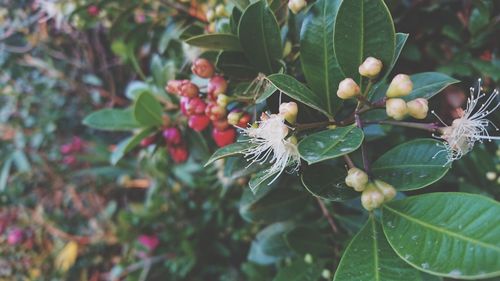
x=71, y=150
x=177, y=148
x=374, y=193
x=203, y=109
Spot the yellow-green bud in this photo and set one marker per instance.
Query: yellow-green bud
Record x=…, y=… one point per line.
x=491, y=176
x=289, y=111
x=387, y=190
x=396, y=108
x=220, y=11
x=222, y=100
x=233, y=117
x=400, y=86
x=210, y=15
x=296, y=5
x=308, y=258
x=418, y=108
x=370, y=68
x=348, y=89
x=371, y=198
x=327, y=274
x=357, y=179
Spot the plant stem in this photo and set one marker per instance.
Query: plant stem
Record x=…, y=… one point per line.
x=348, y=161
x=430, y=127
x=327, y=215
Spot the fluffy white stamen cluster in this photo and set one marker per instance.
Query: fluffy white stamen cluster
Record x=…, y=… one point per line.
x=270, y=145
x=57, y=10
x=472, y=126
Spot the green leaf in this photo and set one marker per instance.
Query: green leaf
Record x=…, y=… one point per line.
x=327, y=182
x=363, y=28
x=147, y=110
x=413, y=165
x=317, y=55
x=307, y=240
x=128, y=144
x=448, y=234
x=428, y=84
x=330, y=144
x=261, y=179
x=299, y=270
x=215, y=41
x=296, y=90
x=370, y=258
x=235, y=65
x=260, y=37
x=241, y=4
x=227, y=151
x=269, y=246
x=112, y=120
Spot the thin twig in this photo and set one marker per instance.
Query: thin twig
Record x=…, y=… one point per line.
x=327, y=215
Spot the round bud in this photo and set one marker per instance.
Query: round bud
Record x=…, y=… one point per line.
x=222, y=100
x=348, y=89
x=210, y=15
x=233, y=117
x=216, y=86
x=491, y=176
x=308, y=258
x=357, y=179
x=93, y=10
x=296, y=5
x=198, y=122
x=224, y=137
x=174, y=87
x=371, y=198
x=203, y=68
x=418, y=108
x=400, y=86
x=387, y=190
x=244, y=120
x=220, y=11
x=327, y=274
x=396, y=108
x=289, y=111
x=172, y=136
x=150, y=242
x=189, y=89
x=370, y=68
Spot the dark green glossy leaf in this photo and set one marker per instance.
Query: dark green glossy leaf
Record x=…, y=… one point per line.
x=363, y=28
x=307, y=240
x=128, y=144
x=330, y=144
x=428, y=84
x=370, y=258
x=235, y=65
x=241, y=4
x=227, y=151
x=260, y=37
x=147, y=110
x=296, y=90
x=317, y=55
x=327, y=182
x=216, y=41
x=412, y=165
x=448, y=234
x=269, y=246
x=112, y=120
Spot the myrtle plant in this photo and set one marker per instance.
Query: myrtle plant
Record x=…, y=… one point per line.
x=303, y=100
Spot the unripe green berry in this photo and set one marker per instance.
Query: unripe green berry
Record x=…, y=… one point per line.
x=348, y=89
x=396, y=108
x=400, y=86
x=370, y=68
x=357, y=179
x=371, y=198
x=387, y=190
x=418, y=108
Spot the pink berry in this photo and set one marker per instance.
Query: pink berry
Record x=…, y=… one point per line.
x=183, y=104
x=66, y=148
x=147, y=141
x=225, y=137
x=151, y=242
x=196, y=106
x=189, y=89
x=174, y=87
x=198, y=122
x=178, y=153
x=93, y=10
x=15, y=236
x=203, y=68
x=216, y=86
x=172, y=135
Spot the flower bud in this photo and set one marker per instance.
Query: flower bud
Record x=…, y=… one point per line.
x=308, y=258
x=296, y=5
x=371, y=198
x=222, y=100
x=172, y=136
x=234, y=117
x=150, y=242
x=357, y=179
x=216, y=86
x=396, y=108
x=400, y=86
x=220, y=11
x=93, y=10
x=387, y=190
x=244, y=120
x=174, y=86
x=15, y=236
x=198, y=122
x=189, y=89
x=289, y=111
x=418, y=108
x=210, y=15
x=348, y=89
x=370, y=68
x=178, y=153
x=203, y=68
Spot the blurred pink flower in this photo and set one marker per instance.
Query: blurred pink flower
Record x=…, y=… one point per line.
x=151, y=242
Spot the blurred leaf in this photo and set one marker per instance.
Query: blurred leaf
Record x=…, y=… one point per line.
x=307, y=240
x=215, y=41
x=428, y=84
x=269, y=246
x=463, y=227
x=147, y=110
x=112, y=120
x=128, y=144
x=235, y=65
x=227, y=151
x=299, y=270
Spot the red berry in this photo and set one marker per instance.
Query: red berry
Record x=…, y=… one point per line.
x=178, y=153
x=216, y=86
x=174, y=87
x=189, y=89
x=195, y=106
x=221, y=124
x=172, y=135
x=151, y=242
x=66, y=148
x=198, y=122
x=203, y=68
x=244, y=120
x=215, y=111
x=147, y=141
x=225, y=137
x=77, y=144
x=93, y=10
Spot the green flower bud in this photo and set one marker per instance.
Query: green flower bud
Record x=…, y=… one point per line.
x=371, y=198
x=396, y=108
x=357, y=179
x=400, y=86
x=387, y=190
x=348, y=89
x=289, y=111
x=222, y=100
x=418, y=108
x=308, y=258
x=296, y=5
x=370, y=68
x=220, y=11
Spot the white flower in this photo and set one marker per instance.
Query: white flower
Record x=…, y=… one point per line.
x=472, y=126
x=269, y=144
x=57, y=10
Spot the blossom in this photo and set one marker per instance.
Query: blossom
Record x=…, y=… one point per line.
x=472, y=126
x=57, y=10
x=269, y=144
